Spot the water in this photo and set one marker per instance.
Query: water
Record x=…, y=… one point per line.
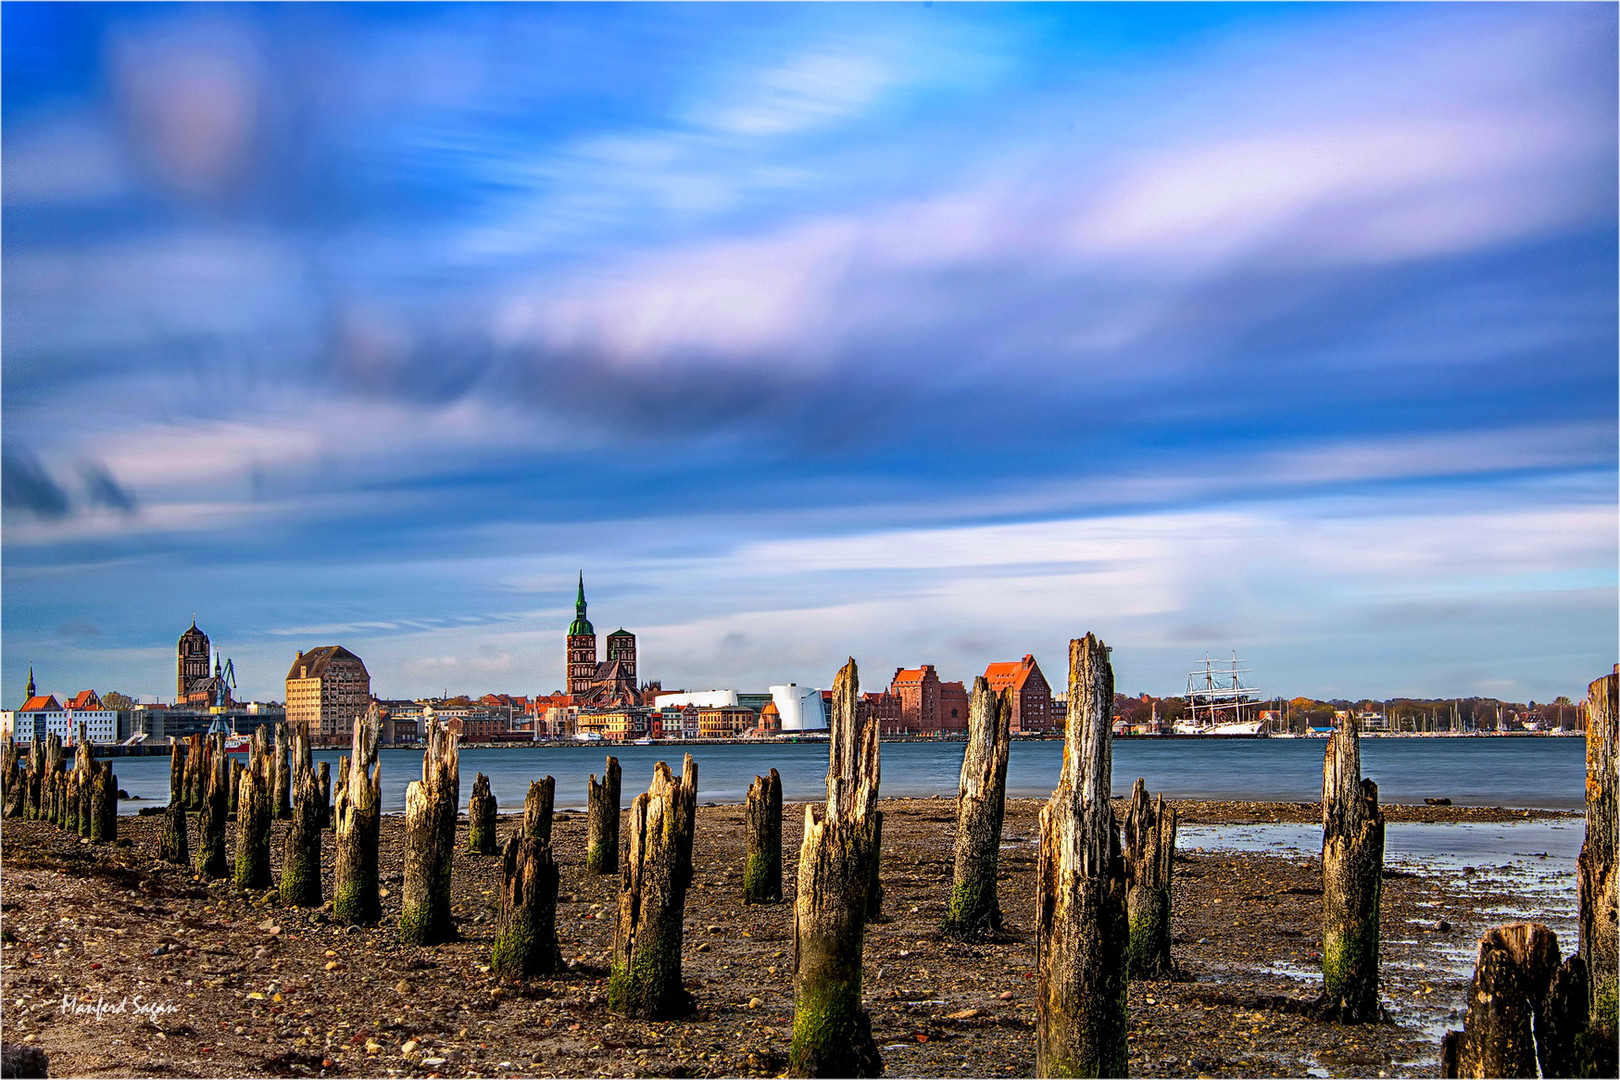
x=1546, y=773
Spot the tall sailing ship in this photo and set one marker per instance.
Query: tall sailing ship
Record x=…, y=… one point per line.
x=1219, y=703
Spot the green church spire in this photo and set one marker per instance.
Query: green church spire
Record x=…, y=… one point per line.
x=581, y=625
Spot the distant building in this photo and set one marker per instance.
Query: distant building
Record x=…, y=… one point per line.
x=44, y=714
x=800, y=707
x=918, y=691
x=953, y=708
x=193, y=653
x=328, y=687
x=725, y=722
x=1032, y=697
x=884, y=707
x=611, y=683
x=703, y=699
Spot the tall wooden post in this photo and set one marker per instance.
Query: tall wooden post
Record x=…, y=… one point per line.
x=214, y=771
x=359, y=820
x=1082, y=927
x=526, y=937
x=177, y=772
x=1352, y=879
x=644, y=981
x=280, y=776
x=602, y=820
x=11, y=779
x=981, y=801
x=832, y=1033
x=1596, y=875
x=237, y=770
x=1150, y=851
x=1523, y=1007
x=36, y=779
x=762, y=872
x=481, y=818
x=430, y=841
x=537, y=809
x=253, y=815
x=196, y=779
x=172, y=841
x=301, y=855
x=104, y=803
x=324, y=785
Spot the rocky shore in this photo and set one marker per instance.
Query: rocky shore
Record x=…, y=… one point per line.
x=118, y=965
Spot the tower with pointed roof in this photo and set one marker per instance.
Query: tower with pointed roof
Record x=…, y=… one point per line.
x=581, y=647
x=191, y=663
x=30, y=686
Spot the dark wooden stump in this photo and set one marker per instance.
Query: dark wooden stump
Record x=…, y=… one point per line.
x=602, y=820
x=644, y=981
x=1524, y=1006
x=481, y=818
x=1150, y=851
x=1082, y=927
x=981, y=802
x=173, y=846
x=11, y=780
x=301, y=853
x=22, y=1060
x=359, y=819
x=762, y=872
x=874, y=883
x=209, y=857
x=196, y=779
x=36, y=780
x=104, y=804
x=237, y=769
x=1352, y=880
x=280, y=776
x=177, y=772
x=1596, y=876
x=832, y=1032
x=323, y=781
x=526, y=936
x=537, y=806
x=70, y=801
x=430, y=841
x=253, y=815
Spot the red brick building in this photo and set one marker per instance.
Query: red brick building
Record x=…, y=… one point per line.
x=884, y=706
x=1032, y=697
x=953, y=708
x=918, y=691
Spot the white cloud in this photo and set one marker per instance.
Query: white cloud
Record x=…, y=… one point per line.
x=806, y=92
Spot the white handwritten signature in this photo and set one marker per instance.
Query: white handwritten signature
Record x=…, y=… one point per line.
x=102, y=1008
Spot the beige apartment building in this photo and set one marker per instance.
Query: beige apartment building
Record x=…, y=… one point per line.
x=329, y=687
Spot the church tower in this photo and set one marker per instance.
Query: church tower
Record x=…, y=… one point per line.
x=581, y=646
x=192, y=661
x=621, y=646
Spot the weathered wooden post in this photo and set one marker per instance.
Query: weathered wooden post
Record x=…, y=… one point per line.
x=481, y=818
x=1352, y=879
x=874, y=883
x=237, y=769
x=196, y=779
x=177, y=772
x=359, y=818
x=832, y=1033
x=1150, y=851
x=1596, y=875
x=430, y=841
x=253, y=815
x=210, y=855
x=644, y=981
x=55, y=769
x=280, y=776
x=172, y=843
x=11, y=772
x=526, y=937
x=762, y=872
x=84, y=774
x=981, y=802
x=602, y=820
x=324, y=783
x=1082, y=927
x=301, y=855
x=537, y=807
x=104, y=801
x=1523, y=1007
x=36, y=779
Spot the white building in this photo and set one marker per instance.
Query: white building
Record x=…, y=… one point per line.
x=800, y=707
x=703, y=699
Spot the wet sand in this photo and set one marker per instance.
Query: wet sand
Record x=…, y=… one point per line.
x=245, y=987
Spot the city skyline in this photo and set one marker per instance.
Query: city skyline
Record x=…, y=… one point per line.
x=926, y=334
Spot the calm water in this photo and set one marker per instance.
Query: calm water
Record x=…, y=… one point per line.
x=1525, y=772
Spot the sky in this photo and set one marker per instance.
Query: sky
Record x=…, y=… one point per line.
x=918, y=333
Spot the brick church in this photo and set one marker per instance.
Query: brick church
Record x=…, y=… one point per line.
x=608, y=684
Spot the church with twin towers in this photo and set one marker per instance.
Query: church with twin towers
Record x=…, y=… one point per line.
x=604, y=684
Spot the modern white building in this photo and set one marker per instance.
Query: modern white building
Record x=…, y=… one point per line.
x=800, y=707
x=101, y=725
x=703, y=699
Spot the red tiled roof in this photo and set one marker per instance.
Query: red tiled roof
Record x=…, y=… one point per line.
x=1009, y=674
x=47, y=703
x=84, y=699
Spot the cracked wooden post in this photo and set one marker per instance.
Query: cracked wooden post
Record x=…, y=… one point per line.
x=210, y=857
x=237, y=769
x=431, y=804
x=172, y=842
x=602, y=820
x=36, y=780
x=1523, y=1007
x=537, y=806
x=280, y=776
x=481, y=818
x=301, y=854
x=644, y=981
x=1082, y=927
x=762, y=871
x=196, y=778
x=84, y=765
x=55, y=771
x=981, y=802
x=177, y=772
x=526, y=936
x=1596, y=876
x=1150, y=851
x=1352, y=879
x=104, y=804
x=832, y=1033
x=358, y=816
x=15, y=788
x=323, y=781
x=253, y=815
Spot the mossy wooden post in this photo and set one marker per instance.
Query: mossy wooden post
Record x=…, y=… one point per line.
x=55, y=769
x=237, y=769
x=1524, y=1006
x=481, y=818
x=762, y=872
x=253, y=815
x=359, y=819
x=526, y=936
x=177, y=772
x=11, y=771
x=1082, y=927
x=103, y=804
x=537, y=806
x=301, y=854
x=196, y=778
x=323, y=782
x=36, y=779
x=1150, y=851
x=1596, y=876
x=644, y=981
x=981, y=803
x=70, y=801
x=210, y=860
x=602, y=820
x=832, y=1033
x=280, y=776
x=173, y=845
x=430, y=841
x=1352, y=879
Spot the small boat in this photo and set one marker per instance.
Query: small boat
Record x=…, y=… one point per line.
x=642, y=742
x=234, y=743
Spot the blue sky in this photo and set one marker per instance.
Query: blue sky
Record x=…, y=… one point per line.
x=914, y=333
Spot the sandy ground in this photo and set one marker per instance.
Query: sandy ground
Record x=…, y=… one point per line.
x=201, y=979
